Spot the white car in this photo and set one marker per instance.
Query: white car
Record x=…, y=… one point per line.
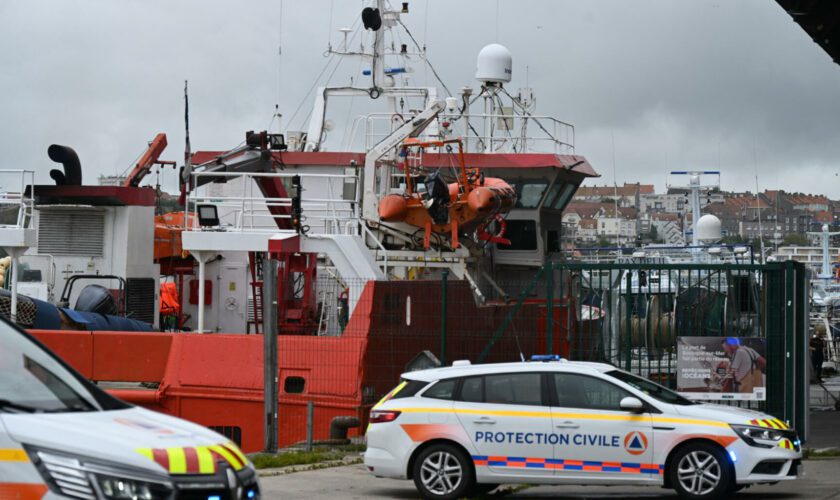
x=61, y=437
x=465, y=429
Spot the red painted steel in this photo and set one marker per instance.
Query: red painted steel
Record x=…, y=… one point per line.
x=99, y=196
x=216, y=380
x=575, y=163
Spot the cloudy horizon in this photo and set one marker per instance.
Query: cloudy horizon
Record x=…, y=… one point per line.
x=657, y=85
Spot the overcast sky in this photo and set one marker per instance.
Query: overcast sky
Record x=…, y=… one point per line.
x=674, y=84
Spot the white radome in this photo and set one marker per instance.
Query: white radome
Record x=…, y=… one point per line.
x=708, y=228
x=494, y=65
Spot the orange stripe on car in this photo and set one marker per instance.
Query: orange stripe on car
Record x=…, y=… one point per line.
x=22, y=491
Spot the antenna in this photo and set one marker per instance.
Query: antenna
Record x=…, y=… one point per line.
x=497, y=31
x=187, y=148
x=758, y=203
x=280, y=52
x=186, y=174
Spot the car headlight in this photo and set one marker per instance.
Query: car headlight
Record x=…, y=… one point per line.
x=127, y=489
x=761, y=437
x=81, y=478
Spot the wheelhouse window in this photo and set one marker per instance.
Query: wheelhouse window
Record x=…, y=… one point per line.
x=522, y=235
x=564, y=197
x=530, y=192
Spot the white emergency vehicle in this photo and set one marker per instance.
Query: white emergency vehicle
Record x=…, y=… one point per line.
x=61, y=437
x=465, y=429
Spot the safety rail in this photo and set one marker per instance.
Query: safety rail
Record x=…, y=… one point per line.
x=19, y=200
x=251, y=211
x=507, y=134
x=701, y=254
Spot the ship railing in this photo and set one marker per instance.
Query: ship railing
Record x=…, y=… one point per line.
x=247, y=209
x=16, y=206
x=506, y=134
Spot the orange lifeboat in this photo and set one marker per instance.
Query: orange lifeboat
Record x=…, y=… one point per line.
x=168, y=229
x=471, y=203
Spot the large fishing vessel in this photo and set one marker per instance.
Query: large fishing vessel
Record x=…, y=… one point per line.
x=417, y=225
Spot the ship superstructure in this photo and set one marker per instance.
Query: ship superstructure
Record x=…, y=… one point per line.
x=291, y=233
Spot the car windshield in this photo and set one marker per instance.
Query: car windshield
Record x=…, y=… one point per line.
x=32, y=380
x=652, y=389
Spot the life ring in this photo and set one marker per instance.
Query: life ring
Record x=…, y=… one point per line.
x=499, y=238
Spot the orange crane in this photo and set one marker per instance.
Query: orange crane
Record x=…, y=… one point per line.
x=147, y=161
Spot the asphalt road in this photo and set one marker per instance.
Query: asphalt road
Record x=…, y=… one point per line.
x=821, y=482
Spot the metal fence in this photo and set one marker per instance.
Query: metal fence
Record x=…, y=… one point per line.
x=630, y=315
x=342, y=345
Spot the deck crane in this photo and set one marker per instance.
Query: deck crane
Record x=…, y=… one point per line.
x=147, y=161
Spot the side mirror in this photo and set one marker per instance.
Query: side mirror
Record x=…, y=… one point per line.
x=631, y=404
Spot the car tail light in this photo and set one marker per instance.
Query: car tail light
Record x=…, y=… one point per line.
x=382, y=416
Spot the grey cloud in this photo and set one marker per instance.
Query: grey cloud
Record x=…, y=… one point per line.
x=677, y=83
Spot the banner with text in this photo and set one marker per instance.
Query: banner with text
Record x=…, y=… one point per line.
x=721, y=368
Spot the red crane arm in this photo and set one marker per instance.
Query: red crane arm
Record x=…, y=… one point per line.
x=145, y=163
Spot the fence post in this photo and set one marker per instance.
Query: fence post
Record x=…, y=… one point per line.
x=270, y=369
x=443, y=310
x=549, y=298
x=310, y=423
x=790, y=341
x=628, y=306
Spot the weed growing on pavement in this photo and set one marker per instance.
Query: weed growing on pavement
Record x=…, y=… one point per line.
x=285, y=459
x=823, y=453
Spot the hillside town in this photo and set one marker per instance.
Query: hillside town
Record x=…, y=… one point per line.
x=634, y=213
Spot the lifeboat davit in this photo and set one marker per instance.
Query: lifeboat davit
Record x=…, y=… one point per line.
x=470, y=204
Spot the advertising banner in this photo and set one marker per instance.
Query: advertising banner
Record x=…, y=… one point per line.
x=721, y=368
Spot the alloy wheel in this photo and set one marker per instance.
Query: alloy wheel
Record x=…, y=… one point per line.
x=441, y=473
x=699, y=472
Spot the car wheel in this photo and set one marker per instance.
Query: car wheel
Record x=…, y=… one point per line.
x=701, y=472
x=443, y=472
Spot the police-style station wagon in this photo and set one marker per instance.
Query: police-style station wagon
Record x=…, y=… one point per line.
x=465, y=429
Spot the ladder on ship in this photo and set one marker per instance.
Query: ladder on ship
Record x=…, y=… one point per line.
x=327, y=299
x=255, y=317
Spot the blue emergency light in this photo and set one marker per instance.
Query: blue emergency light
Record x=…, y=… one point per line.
x=546, y=357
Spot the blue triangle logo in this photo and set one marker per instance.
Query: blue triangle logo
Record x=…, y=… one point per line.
x=635, y=444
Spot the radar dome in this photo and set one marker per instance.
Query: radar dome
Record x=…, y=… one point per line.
x=708, y=228
x=825, y=228
x=494, y=64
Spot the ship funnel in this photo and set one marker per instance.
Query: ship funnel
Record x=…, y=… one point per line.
x=72, y=174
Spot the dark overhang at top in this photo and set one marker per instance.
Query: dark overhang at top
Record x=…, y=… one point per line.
x=820, y=19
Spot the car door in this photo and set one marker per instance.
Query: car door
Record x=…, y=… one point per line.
x=508, y=423
x=594, y=437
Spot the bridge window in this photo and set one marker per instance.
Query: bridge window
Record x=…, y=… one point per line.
x=522, y=235
x=530, y=192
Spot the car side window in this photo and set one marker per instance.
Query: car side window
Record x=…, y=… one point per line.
x=444, y=389
x=513, y=389
x=581, y=391
x=472, y=390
